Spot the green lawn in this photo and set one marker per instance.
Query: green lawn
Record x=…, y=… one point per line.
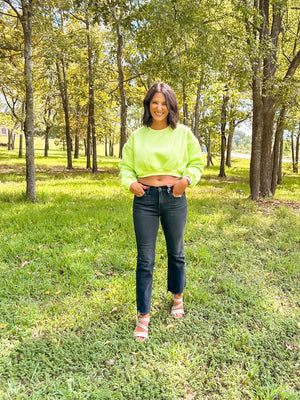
x=67, y=288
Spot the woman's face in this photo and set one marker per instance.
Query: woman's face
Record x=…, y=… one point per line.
x=158, y=108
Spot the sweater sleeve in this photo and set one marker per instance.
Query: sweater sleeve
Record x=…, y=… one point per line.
x=127, y=172
x=195, y=165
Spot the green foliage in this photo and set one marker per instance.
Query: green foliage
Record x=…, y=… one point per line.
x=67, y=291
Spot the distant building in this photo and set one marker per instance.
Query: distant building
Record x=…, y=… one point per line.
x=3, y=130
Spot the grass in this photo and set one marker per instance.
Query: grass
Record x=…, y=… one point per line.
x=67, y=290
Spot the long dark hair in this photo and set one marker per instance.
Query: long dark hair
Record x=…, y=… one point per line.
x=171, y=102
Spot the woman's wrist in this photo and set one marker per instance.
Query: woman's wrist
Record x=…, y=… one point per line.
x=188, y=180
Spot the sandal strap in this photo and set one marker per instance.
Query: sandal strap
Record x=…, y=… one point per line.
x=177, y=307
x=176, y=311
x=175, y=298
x=142, y=326
x=144, y=319
x=141, y=334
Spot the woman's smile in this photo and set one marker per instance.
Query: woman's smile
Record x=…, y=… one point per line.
x=159, y=110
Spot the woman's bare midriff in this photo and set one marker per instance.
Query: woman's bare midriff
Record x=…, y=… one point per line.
x=158, y=180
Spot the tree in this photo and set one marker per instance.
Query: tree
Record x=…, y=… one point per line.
x=264, y=27
x=24, y=11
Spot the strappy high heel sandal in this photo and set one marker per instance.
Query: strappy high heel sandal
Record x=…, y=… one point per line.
x=177, y=311
x=143, y=335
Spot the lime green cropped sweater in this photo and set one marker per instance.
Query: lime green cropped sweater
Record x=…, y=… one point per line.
x=168, y=151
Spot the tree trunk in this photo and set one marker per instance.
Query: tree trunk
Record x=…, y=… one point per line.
x=257, y=126
x=185, y=106
x=266, y=146
x=229, y=142
x=297, y=151
x=208, y=147
x=46, y=149
x=197, y=108
x=276, y=149
x=91, y=106
x=279, y=174
x=20, y=146
x=111, y=148
x=76, y=150
x=13, y=138
x=105, y=146
x=222, y=173
x=26, y=21
x=9, y=146
x=63, y=87
x=123, y=108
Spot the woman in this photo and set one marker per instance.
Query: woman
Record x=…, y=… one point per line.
x=160, y=160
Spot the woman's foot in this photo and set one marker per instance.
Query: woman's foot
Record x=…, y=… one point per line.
x=141, y=329
x=177, y=310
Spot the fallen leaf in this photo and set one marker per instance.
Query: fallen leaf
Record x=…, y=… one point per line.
x=3, y=325
x=170, y=326
x=291, y=348
x=98, y=273
x=25, y=263
x=190, y=395
x=58, y=343
x=111, y=362
x=108, y=341
x=114, y=309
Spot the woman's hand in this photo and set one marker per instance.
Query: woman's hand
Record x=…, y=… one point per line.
x=179, y=187
x=138, y=189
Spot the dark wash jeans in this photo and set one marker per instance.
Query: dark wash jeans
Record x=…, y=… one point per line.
x=158, y=203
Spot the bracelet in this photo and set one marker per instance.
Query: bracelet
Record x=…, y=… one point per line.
x=188, y=179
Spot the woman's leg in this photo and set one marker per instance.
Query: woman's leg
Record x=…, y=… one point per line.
x=173, y=220
x=146, y=223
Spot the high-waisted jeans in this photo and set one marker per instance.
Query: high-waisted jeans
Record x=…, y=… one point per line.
x=158, y=203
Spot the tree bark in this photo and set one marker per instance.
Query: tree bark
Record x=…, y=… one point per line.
x=208, y=148
x=123, y=108
x=279, y=173
x=297, y=151
x=185, y=106
x=63, y=87
x=111, y=148
x=222, y=173
x=257, y=126
x=76, y=150
x=46, y=148
x=26, y=21
x=20, y=146
x=229, y=142
x=105, y=146
x=197, y=107
x=9, y=135
x=91, y=116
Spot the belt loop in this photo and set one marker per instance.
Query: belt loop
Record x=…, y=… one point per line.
x=168, y=189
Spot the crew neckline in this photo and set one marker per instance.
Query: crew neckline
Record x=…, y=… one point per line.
x=159, y=130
